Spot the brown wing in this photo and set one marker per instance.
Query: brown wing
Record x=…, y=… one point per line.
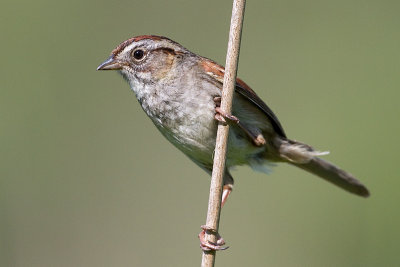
x=243, y=89
x=217, y=71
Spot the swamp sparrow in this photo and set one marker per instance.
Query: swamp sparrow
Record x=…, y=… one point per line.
x=180, y=92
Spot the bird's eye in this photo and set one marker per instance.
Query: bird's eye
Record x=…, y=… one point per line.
x=138, y=54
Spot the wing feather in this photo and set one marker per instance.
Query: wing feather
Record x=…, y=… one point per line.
x=217, y=72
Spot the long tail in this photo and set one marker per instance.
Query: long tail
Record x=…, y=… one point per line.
x=333, y=174
x=304, y=157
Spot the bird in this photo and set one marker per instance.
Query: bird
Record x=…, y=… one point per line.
x=180, y=92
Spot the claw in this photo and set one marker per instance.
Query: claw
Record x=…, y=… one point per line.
x=225, y=118
x=217, y=101
x=207, y=245
x=221, y=116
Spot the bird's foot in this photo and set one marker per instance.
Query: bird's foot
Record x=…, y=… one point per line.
x=225, y=118
x=257, y=139
x=207, y=245
x=222, y=116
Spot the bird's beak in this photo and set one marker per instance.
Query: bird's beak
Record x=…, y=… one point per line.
x=110, y=64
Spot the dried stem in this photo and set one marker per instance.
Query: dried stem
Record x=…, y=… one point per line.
x=214, y=202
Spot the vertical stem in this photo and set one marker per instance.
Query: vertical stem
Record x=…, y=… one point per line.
x=232, y=56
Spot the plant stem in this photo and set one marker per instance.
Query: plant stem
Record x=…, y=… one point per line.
x=214, y=202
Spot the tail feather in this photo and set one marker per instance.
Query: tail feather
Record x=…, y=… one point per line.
x=333, y=174
x=305, y=157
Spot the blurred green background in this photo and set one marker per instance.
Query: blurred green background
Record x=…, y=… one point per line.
x=87, y=180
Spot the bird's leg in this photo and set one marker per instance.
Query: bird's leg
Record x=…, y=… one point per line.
x=221, y=116
x=219, y=245
x=226, y=191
